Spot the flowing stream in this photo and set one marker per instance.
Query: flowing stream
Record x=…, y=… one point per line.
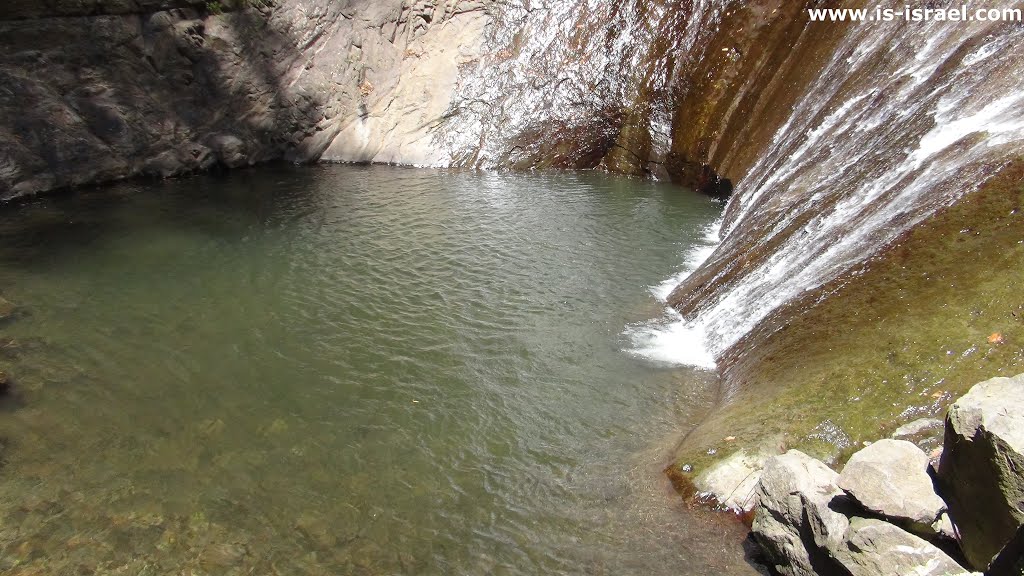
x=348, y=370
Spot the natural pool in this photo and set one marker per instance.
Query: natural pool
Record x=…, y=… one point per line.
x=348, y=370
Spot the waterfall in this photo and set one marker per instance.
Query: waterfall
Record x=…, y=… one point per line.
x=903, y=120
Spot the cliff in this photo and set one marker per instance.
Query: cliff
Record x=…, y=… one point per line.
x=103, y=90
x=98, y=91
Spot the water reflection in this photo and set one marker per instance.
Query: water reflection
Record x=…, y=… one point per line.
x=345, y=370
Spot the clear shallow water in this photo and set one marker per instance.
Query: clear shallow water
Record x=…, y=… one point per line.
x=346, y=370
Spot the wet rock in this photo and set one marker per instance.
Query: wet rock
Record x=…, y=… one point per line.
x=925, y=433
x=67, y=8
x=732, y=483
x=981, y=471
x=872, y=547
x=890, y=478
x=182, y=160
x=230, y=150
x=917, y=427
x=794, y=522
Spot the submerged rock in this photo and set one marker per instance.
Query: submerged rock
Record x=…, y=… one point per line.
x=981, y=471
x=890, y=478
x=926, y=433
x=6, y=308
x=873, y=547
x=794, y=523
x=917, y=427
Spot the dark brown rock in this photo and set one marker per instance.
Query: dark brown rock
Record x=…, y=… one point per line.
x=981, y=472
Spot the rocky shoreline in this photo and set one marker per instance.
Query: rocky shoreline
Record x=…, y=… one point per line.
x=893, y=508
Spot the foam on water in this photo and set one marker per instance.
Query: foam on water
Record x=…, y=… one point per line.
x=671, y=339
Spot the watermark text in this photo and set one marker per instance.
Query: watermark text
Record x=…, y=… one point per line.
x=962, y=13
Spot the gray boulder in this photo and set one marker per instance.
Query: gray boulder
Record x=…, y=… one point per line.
x=890, y=478
x=873, y=547
x=794, y=522
x=981, y=472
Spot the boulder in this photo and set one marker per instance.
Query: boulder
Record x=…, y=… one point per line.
x=732, y=483
x=873, y=547
x=794, y=523
x=981, y=471
x=890, y=478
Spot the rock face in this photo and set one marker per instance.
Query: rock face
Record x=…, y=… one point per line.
x=685, y=91
x=163, y=87
x=981, y=473
x=794, y=522
x=406, y=96
x=873, y=547
x=890, y=478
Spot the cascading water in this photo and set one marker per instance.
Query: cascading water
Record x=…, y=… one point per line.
x=904, y=119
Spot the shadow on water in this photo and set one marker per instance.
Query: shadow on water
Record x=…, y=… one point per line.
x=41, y=232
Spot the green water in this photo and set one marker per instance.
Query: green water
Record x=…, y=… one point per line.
x=346, y=370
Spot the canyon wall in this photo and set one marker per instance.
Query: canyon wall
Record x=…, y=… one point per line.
x=106, y=89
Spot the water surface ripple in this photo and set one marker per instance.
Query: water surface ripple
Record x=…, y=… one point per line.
x=347, y=370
